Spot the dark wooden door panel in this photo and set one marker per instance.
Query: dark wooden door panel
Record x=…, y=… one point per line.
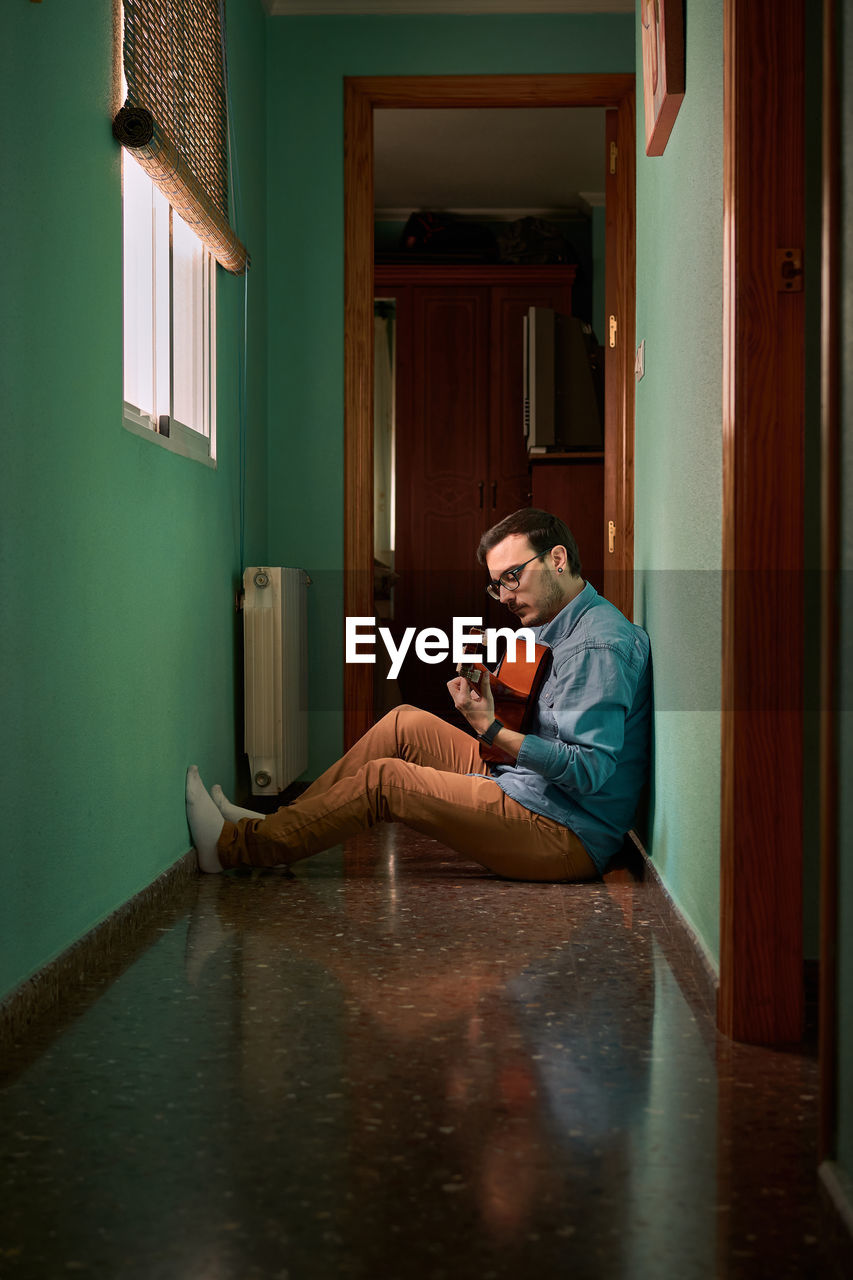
x=620, y=305
x=441, y=430
x=761, y=995
x=575, y=492
x=450, y=408
x=442, y=459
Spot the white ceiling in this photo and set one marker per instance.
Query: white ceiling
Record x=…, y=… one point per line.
x=503, y=162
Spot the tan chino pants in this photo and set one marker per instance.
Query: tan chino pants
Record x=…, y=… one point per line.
x=413, y=768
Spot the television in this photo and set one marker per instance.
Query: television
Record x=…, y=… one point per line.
x=563, y=400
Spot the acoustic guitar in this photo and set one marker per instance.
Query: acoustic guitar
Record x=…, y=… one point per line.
x=515, y=688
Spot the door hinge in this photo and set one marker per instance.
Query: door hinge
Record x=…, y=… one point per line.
x=614, y=152
x=613, y=327
x=611, y=536
x=789, y=270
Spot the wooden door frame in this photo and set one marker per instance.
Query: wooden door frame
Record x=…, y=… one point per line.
x=362, y=96
x=761, y=828
x=830, y=465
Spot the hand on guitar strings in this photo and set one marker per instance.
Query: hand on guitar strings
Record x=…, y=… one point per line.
x=475, y=703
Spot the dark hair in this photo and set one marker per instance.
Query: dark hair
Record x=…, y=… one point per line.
x=542, y=531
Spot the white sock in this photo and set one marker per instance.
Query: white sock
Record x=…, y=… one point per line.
x=232, y=812
x=205, y=821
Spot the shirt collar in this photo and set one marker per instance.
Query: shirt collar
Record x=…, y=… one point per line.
x=568, y=617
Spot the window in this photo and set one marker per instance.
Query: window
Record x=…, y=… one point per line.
x=169, y=321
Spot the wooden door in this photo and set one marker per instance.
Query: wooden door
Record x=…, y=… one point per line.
x=619, y=293
x=442, y=468
x=574, y=490
x=761, y=838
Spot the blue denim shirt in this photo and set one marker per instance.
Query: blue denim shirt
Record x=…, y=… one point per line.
x=586, y=758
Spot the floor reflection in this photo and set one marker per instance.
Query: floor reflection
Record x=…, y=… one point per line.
x=397, y=1064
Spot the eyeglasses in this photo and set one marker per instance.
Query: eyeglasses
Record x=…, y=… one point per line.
x=510, y=579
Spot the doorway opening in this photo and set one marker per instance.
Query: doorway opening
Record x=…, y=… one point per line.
x=489, y=251
x=362, y=98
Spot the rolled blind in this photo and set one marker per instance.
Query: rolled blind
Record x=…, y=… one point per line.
x=175, y=116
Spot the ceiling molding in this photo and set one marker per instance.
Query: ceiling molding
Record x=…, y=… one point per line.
x=364, y=8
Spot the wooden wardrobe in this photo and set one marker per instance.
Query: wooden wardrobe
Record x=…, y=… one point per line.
x=461, y=454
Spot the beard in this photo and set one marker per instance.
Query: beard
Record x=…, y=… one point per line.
x=552, y=599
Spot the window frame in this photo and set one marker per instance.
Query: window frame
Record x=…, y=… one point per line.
x=183, y=439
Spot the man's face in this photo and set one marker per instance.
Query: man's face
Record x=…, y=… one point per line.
x=539, y=596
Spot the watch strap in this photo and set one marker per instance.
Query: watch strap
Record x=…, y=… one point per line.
x=488, y=735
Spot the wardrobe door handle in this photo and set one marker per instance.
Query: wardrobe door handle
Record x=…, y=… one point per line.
x=481, y=486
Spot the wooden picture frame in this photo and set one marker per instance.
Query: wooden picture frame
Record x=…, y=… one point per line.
x=662, y=25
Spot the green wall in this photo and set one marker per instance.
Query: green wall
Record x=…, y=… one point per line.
x=308, y=59
x=678, y=476
x=118, y=558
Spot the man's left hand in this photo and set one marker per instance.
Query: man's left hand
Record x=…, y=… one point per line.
x=476, y=704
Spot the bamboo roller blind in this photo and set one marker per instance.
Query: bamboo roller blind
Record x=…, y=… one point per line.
x=175, y=116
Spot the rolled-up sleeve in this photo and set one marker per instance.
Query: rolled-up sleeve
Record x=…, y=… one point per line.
x=595, y=688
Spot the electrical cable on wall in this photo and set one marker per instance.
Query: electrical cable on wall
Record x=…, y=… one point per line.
x=242, y=358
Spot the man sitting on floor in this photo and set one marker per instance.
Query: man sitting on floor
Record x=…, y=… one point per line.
x=559, y=812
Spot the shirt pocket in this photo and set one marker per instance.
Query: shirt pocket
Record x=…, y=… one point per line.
x=547, y=719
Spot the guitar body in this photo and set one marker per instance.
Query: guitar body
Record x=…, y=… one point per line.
x=515, y=689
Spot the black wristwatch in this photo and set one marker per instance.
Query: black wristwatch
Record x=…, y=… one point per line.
x=488, y=735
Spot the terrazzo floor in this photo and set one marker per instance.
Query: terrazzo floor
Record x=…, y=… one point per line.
x=396, y=1065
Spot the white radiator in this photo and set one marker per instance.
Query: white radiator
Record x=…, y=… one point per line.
x=275, y=634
